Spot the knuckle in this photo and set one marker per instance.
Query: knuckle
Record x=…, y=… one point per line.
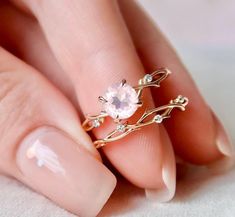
x=16, y=110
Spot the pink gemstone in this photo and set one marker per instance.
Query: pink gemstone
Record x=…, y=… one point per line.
x=121, y=102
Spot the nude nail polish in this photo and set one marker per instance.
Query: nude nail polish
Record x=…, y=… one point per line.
x=223, y=142
x=165, y=192
x=54, y=165
x=225, y=147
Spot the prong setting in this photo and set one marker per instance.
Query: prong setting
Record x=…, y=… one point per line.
x=102, y=99
x=158, y=119
x=96, y=123
x=148, y=78
x=120, y=102
x=140, y=103
x=121, y=127
x=123, y=82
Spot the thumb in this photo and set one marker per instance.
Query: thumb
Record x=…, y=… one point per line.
x=43, y=144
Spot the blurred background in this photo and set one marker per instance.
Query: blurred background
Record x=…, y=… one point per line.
x=203, y=33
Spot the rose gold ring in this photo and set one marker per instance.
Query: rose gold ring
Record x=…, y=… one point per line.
x=121, y=101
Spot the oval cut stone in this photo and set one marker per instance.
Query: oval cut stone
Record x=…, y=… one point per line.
x=121, y=100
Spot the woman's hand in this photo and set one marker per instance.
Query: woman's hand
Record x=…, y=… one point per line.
x=61, y=56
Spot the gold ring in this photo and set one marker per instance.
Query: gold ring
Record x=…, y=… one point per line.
x=121, y=101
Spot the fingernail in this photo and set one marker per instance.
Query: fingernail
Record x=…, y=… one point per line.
x=167, y=191
x=54, y=165
x=222, y=140
x=224, y=146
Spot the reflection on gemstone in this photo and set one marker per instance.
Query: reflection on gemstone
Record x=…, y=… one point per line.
x=148, y=78
x=45, y=157
x=121, y=101
x=96, y=123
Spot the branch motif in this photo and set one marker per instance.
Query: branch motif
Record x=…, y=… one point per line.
x=158, y=115
x=149, y=80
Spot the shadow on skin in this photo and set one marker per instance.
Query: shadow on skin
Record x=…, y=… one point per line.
x=126, y=197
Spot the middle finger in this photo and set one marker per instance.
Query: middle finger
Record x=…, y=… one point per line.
x=91, y=38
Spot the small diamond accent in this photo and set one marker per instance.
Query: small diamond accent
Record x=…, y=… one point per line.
x=158, y=119
x=96, y=123
x=181, y=99
x=148, y=78
x=121, y=128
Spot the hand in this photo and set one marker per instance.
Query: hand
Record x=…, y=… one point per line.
x=61, y=56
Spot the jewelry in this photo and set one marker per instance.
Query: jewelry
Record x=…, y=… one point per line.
x=121, y=101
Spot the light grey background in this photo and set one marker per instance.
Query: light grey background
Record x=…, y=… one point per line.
x=203, y=32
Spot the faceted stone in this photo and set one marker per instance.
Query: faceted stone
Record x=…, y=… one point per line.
x=121, y=101
x=158, y=119
x=96, y=123
x=148, y=78
x=121, y=128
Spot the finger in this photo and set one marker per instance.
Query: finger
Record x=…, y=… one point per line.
x=43, y=145
x=195, y=133
x=102, y=53
x=22, y=36
x=168, y=172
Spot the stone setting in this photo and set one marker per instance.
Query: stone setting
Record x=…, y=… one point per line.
x=121, y=101
x=148, y=78
x=158, y=119
x=121, y=128
x=96, y=123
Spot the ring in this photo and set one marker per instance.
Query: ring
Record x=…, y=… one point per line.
x=121, y=101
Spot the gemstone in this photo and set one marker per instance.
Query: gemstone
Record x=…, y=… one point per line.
x=96, y=123
x=120, y=128
x=180, y=99
x=158, y=119
x=121, y=101
x=148, y=78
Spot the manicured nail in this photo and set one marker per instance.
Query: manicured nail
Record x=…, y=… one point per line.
x=167, y=191
x=223, y=142
x=224, y=146
x=54, y=165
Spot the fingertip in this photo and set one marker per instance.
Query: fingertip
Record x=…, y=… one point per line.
x=54, y=165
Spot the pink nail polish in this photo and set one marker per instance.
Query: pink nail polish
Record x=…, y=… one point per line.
x=54, y=165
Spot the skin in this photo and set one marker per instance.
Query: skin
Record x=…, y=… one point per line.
x=56, y=46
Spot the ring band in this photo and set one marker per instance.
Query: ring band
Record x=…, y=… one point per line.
x=121, y=101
